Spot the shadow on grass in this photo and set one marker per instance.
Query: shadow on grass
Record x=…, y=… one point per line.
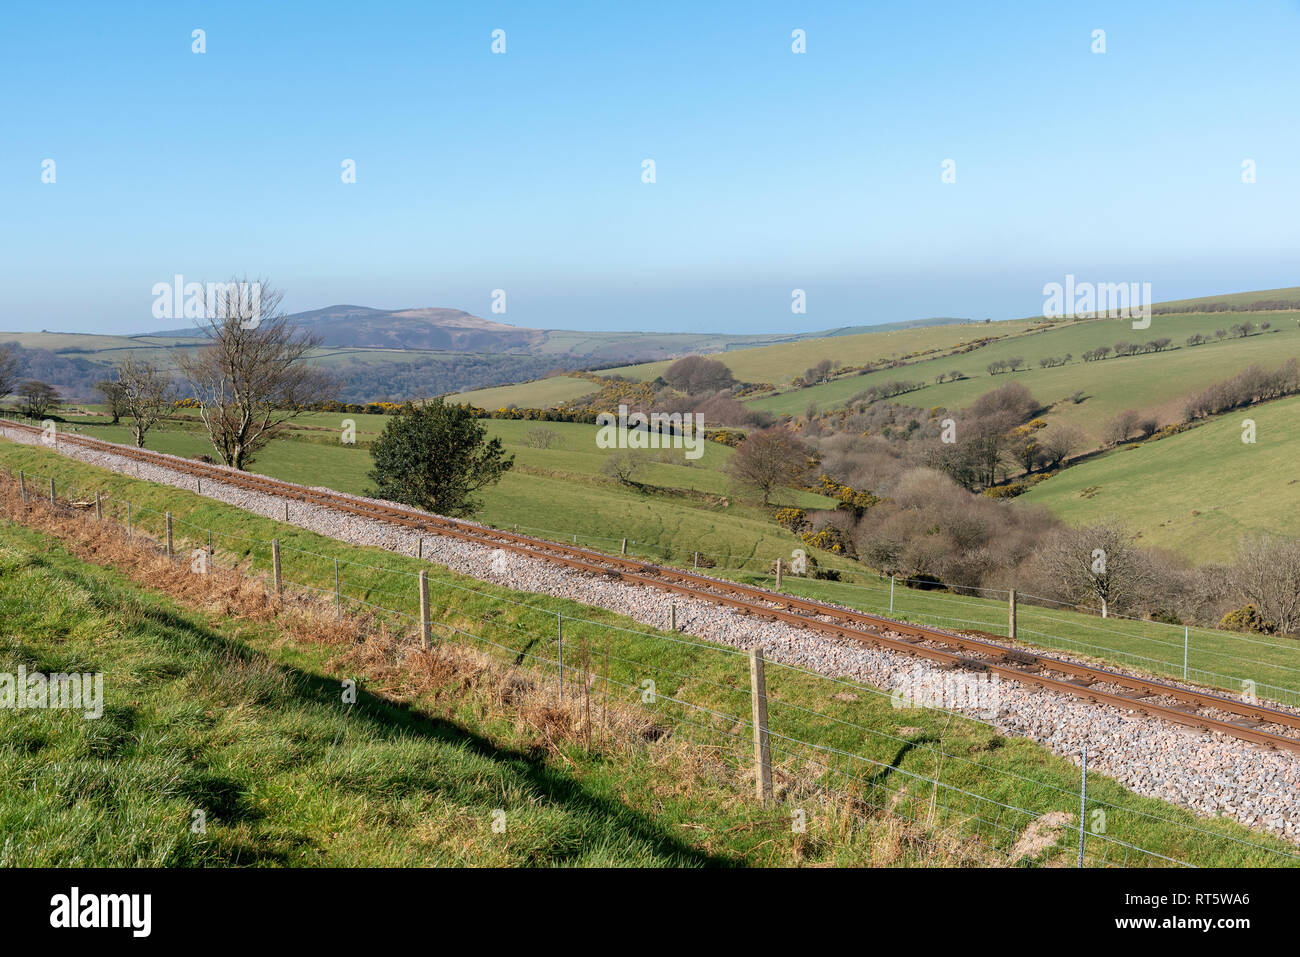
x=395, y=722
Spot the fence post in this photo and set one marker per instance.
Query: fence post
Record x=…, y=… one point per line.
x=778, y=574
x=425, y=627
x=1184, y=652
x=697, y=561
x=286, y=512
x=559, y=634
x=169, y=535
x=1011, y=624
x=275, y=566
x=623, y=550
x=22, y=485
x=762, y=744
x=209, y=546
x=419, y=546
x=52, y=490
x=129, y=535
x=338, y=594
x=99, y=509
x=1083, y=802
x=891, y=594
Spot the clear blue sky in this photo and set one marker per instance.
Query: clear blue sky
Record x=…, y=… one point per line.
x=523, y=171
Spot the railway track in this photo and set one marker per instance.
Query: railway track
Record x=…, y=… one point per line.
x=1205, y=710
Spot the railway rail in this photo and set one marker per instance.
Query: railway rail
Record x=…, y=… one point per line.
x=1201, y=709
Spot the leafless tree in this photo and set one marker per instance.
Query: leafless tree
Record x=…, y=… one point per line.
x=540, y=437
x=622, y=466
x=38, y=398
x=111, y=390
x=1100, y=563
x=145, y=393
x=1058, y=444
x=769, y=459
x=1267, y=574
x=253, y=375
x=1122, y=426
x=10, y=363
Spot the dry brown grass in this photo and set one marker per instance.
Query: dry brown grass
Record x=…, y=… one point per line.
x=448, y=676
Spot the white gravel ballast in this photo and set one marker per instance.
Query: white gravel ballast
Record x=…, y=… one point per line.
x=1209, y=773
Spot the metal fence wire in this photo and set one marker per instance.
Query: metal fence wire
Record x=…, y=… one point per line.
x=951, y=801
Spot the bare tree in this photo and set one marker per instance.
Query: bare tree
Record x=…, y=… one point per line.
x=1268, y=575
x=540, y=437
x=768, y=460
x=145, y=394
x=1100, y=563
x=38, y=398
x=622, y=466
x=111, y=390
x=1122, y=426
x=10, y=363
x=1058, y=444
x=253, y=375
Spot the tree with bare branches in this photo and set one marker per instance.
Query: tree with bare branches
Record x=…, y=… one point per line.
x=1267, y=573
x=144, y=393
x=10, y=364
x=253, y=375
x=1101, y=563
x=769, y=459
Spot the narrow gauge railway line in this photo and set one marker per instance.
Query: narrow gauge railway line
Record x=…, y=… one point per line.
x=1203, y=710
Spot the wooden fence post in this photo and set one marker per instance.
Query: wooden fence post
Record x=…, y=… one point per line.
x=762, y=744
x=52, y=490
x=22, y=485
x=168, y=516
x=778, y=574
x=99, y=509
x=275, y=566
x=425, y=626
x=1011, y=624
x=559, y=634
x=623, y=551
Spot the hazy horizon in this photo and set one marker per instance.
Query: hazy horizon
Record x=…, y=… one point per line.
x=774, y=170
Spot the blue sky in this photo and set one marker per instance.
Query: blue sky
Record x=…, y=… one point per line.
x=522, y=171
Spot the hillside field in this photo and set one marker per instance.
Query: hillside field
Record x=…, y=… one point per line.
x=246, y=718
x=1197, y=492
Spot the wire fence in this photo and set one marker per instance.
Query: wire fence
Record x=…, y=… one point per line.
x=1251, y=667
x=1248, y=666
x=940, y=775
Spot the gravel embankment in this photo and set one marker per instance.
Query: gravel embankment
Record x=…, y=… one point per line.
x=1211, y=774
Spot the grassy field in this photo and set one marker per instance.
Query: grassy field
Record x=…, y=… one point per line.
x=541, y=394
x=558, y=492
x=779, y=364
x=218, y=710
x=1197, y=492
x=1155, y=382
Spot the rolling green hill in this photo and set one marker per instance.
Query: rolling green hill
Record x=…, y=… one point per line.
x=1155, y=382
x=1197, y=492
